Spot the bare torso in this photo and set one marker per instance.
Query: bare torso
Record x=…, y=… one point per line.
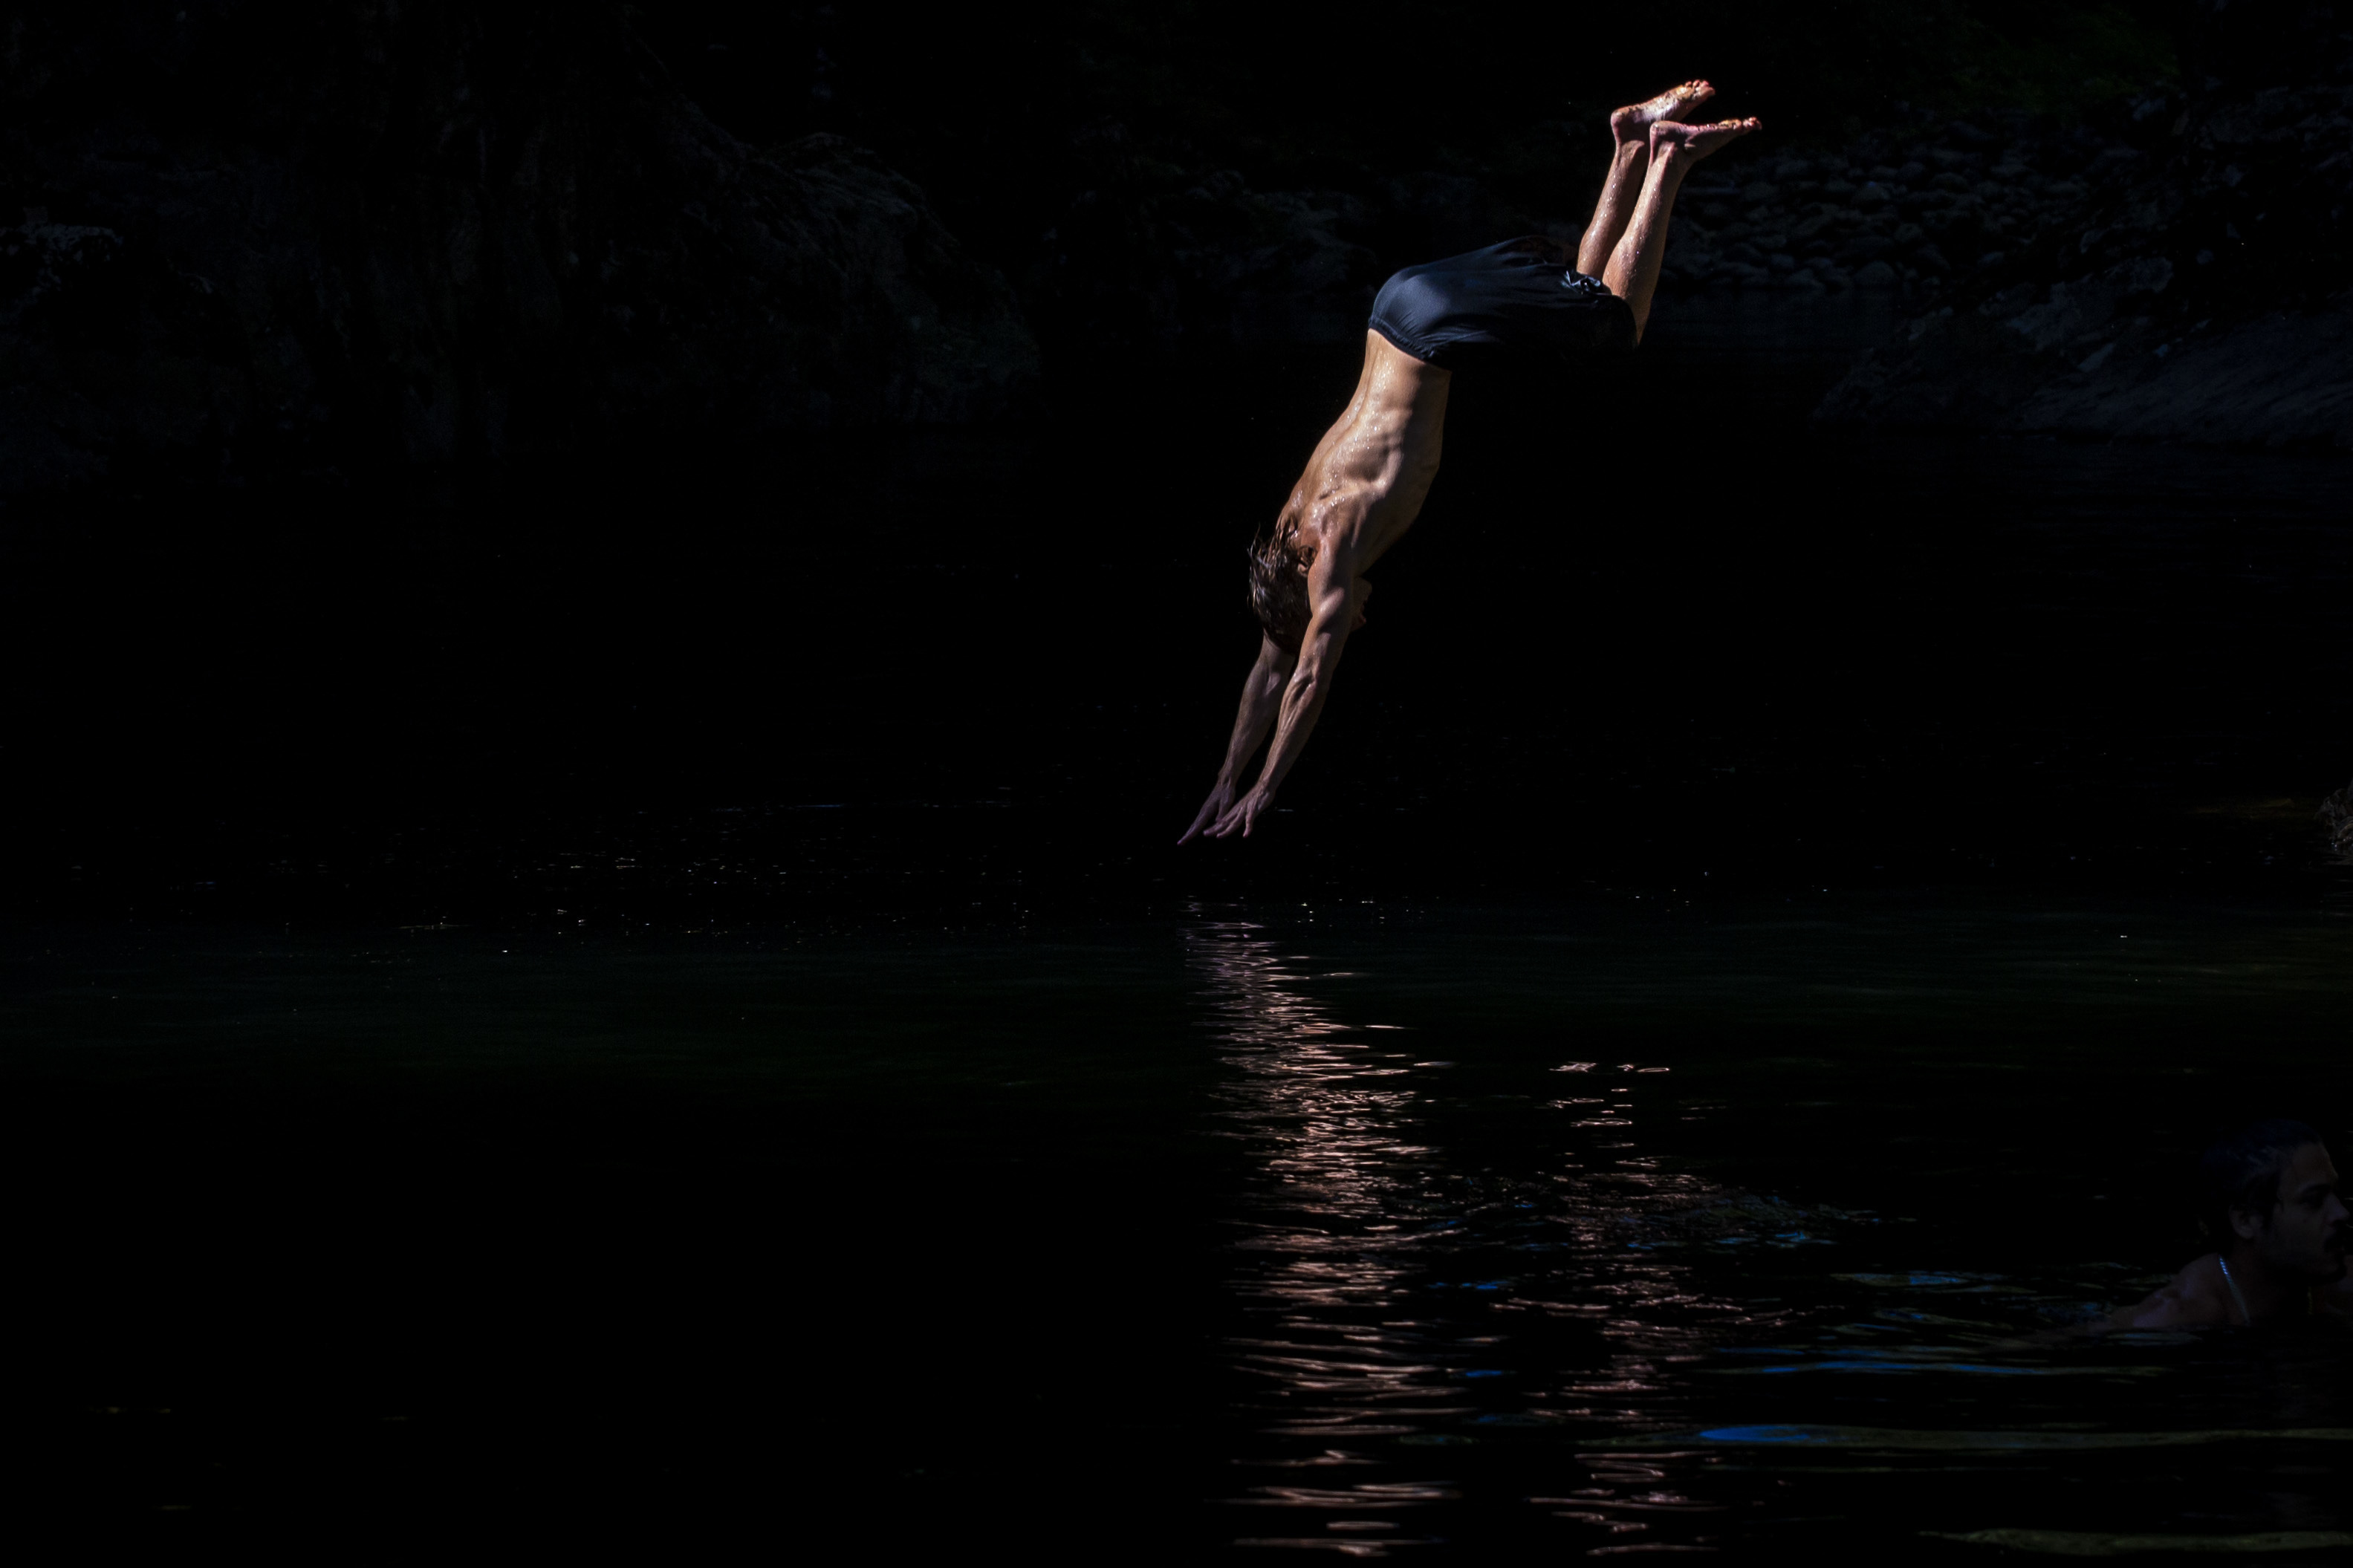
x=1371, y=472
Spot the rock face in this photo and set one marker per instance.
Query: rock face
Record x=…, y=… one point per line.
x=262, y=238
x=1916, y=205
x=2209, y=298
x=1149, y=258
x=2336, y=816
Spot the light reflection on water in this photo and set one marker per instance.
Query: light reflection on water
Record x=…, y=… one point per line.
x=1483, y=1303
x=1357, y=1230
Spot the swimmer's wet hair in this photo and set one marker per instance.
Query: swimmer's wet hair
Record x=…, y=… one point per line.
x=2241, y=1171
x=1278, y=586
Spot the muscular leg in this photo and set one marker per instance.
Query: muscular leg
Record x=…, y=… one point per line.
x=1630, y=127
x=1632, y=270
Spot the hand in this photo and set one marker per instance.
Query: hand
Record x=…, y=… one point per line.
x=1243, y=815
x=1221, y=800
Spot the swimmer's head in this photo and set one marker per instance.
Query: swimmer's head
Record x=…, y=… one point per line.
x=2273, y=1184
x=1278, y=586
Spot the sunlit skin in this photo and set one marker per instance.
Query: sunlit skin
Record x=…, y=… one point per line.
x=2286, y=1263
x=1370, y=475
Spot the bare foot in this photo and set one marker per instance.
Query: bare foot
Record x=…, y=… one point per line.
x=1630, y=123
x=1692, y=143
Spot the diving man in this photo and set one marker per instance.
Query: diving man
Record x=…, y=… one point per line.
x=1369, y=477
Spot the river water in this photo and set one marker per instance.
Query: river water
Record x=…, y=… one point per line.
x=668, y=1013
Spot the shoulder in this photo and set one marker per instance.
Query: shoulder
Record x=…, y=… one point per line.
x=2194, y=1299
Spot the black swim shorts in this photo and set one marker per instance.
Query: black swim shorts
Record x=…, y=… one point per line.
x=1522, y=297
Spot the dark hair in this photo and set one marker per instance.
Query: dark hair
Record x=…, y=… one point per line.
x=2242, y=1171
x=1278, y=586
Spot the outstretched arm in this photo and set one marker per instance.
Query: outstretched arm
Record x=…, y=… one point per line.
x=1334, y=593
x=1261, y=694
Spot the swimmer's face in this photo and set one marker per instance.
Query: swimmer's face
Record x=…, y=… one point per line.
x=2306, y=1233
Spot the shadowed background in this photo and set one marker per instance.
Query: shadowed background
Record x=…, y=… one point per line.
x=614, y=614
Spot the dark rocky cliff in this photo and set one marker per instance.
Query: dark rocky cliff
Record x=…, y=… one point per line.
x=258, y=238
x=1919, y=202
x=2208, y=297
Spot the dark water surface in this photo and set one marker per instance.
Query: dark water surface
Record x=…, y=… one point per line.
x=1343, y=1227
x=658, y=1005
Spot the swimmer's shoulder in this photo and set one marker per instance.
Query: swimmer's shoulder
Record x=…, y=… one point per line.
x=2195, y=1297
